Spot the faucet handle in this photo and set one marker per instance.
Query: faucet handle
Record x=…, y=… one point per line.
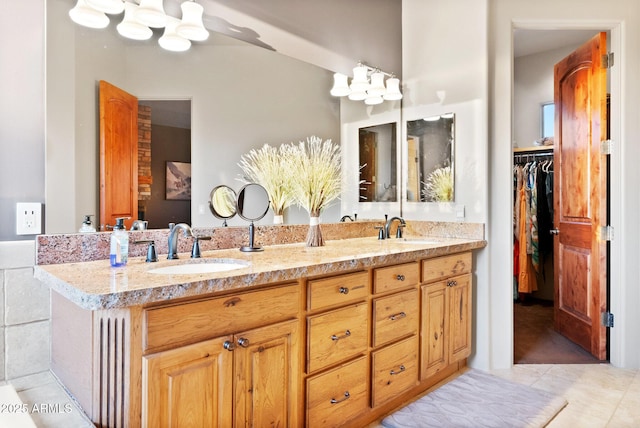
x=195, y=250
x=399, y=230
x=380, y=232
x=152, y=256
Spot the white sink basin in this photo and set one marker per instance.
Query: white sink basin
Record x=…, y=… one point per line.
x=201, y=266
x=419, y=241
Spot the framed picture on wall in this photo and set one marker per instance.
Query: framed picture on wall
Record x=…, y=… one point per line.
x=178, y=181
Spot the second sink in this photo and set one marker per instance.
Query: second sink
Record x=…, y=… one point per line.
x=201, y=266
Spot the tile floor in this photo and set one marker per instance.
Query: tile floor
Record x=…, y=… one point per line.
x=599, y=395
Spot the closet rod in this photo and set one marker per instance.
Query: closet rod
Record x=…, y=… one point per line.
x=528, y=157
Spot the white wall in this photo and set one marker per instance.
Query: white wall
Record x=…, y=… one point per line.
x=623, y=18
x=445, y=49
x=533, y=86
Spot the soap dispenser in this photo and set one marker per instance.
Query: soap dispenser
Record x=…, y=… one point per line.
x=86, y=226
x=119, y=252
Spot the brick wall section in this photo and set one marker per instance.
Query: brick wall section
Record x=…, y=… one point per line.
x=144, y=155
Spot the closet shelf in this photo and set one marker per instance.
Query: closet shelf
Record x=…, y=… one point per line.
x=532, y=149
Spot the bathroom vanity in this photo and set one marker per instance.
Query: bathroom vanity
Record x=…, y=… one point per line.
x=338, y=335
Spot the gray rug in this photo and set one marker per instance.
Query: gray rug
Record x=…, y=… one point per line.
x=477, y=399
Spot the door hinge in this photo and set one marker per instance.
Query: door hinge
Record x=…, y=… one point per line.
x=606, y=233
x=607, y=319
x=607, y=60
x=606, y=147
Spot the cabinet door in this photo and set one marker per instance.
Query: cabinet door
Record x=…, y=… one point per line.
x=189, y=386
x=459, y=317
x=266, y=381
x=435, y=329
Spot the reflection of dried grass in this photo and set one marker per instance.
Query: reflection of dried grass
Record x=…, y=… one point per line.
x=271, y=168
x=439, y=186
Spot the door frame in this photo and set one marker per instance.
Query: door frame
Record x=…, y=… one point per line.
x=501, y=212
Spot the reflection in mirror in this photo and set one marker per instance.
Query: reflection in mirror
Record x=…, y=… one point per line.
x=222, y=203
x=253, y=204
x=430, y=145
x=377, y=151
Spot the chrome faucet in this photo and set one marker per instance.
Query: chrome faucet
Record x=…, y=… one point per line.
x=387, y=226
x=173, y=238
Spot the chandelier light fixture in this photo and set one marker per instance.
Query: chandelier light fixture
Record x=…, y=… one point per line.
x=367, y=85
x=141, y=16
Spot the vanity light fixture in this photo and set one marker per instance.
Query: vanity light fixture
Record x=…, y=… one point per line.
x=367, y=85
x=142, y=15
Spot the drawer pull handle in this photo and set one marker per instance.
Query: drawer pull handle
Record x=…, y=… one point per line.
x=229, y=346
x=344, y=290
x=243, y=342
x=346, y=397
x=400, y=277
x=452, y=283
x=393, y=372
x=346, y=334
x=397, y=316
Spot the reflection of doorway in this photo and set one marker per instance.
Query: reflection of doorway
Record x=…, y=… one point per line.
x=368, y=147
x=169, y=138
x=413, y=174
x=556, y=343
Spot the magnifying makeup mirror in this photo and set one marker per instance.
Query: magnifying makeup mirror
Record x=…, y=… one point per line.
x=252, y=205
x=222, y=203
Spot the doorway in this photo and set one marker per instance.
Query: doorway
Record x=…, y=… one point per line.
x=169, y=142
x=535, y=338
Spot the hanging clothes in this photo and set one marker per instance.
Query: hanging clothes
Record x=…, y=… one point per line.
x=532, y=219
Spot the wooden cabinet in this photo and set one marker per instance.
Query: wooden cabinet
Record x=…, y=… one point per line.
x=396, y=319
x=338, y=395
x=446, y=303
x=243, y=378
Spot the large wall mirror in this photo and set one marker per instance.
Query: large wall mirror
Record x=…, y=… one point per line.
x=378, y=166
x=430, y=166
x=235, y=92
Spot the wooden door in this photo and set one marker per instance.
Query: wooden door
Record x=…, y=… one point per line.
x=189, y=386
x=434, y=330
x=368, y=157
x=580, y=195
x=118, y=155
x=266, y=376
x=459, y=317
x=413, y=174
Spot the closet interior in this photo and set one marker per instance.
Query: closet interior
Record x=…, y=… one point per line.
x=535, y=339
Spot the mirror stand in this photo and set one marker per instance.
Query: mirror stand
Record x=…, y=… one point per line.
x=251, y=247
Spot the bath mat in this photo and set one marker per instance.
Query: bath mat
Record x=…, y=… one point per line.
x=14, y=412
x=477, y=399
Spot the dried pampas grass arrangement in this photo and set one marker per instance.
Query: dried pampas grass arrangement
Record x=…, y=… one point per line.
x=316, y=167
x=271, y=168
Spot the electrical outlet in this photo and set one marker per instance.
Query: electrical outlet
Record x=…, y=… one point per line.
x=28, y=218
x=460, y=212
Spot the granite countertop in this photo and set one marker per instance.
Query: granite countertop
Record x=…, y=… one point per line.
x=96, y=285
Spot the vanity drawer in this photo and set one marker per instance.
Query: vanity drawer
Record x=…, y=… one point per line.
x=394, y=277
x=444, y=267
x=336, y=335
x=394, y=370
x=336, y=290
x=337, y=396
x=184, y=323
x=395, y=316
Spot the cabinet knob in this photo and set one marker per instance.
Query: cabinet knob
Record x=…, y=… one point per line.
x=344, y=290
x=346, y=334
x=401, y=369
x=244, y=342
x=346, y=397
x=400, y=277
x=452, y=283
x=228, y=345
